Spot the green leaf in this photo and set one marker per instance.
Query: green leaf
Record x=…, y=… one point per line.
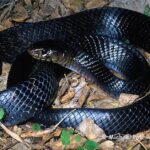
x=65, y=137
x=36, y=127
x=71, y=132
x=78, y=138
x=90, y=145
x=80, y=148
x=147, y=10
x=1, y=113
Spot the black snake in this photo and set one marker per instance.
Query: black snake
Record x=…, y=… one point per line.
x=90, y=37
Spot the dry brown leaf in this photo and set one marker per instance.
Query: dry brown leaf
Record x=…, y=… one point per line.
x=63, y=10
x=56, y=133
x=89, y=129
x=71, y=104
x=5, y=24
x=96, y=3
x=74, y=5
x=66, y=98
x=107, y=145
x=64, y=86
x=107, y=103
x=53, y=144
x=126, y=99
x=84, y=95
x=37, y=15
x=94, y=97
x=39, y=133
x=21, y=14
x=98, y=90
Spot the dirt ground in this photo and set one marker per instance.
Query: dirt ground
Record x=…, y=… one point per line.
x=74, y=90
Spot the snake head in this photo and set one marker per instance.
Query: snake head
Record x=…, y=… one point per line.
x=46, y=54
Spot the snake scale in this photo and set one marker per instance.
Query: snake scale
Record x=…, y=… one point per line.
x=95, y=40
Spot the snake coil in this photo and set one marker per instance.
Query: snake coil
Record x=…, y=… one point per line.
x=93, y=34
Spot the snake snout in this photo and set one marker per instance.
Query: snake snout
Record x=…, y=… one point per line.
x=43, y=54
x=38, y=53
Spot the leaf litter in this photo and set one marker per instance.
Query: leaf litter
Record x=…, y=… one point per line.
x=74, y=90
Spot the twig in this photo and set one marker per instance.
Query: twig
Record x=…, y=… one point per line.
x=12, y=134
x=139, y=142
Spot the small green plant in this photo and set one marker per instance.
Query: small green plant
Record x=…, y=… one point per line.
x=36, y=127
x=78, y=138
x=65, y=136
x=90, y=145
x=147, y=10
x=80, y=148
x=1, y=113
x=65, y=139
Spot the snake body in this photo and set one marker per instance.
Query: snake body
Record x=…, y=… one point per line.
x=18, y=99
x=22, y=103
x=95, y=57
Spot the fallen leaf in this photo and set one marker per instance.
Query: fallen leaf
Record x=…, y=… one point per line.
x=107, y=145
x=5, y=24
x=126, y=99
x=84, y=95
x=66, y=98
x=96, y=3
x=53, y=144
x=92, y=131
x=74, y=5
x=106, y=103
x=21, y=13
x=56, y=133
x=95, y=97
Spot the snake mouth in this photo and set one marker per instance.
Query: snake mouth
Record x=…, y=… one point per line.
x=40, y=54
x=49, y=55
x=36, y=53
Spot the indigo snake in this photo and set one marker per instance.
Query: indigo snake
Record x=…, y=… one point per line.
x=98, y=40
